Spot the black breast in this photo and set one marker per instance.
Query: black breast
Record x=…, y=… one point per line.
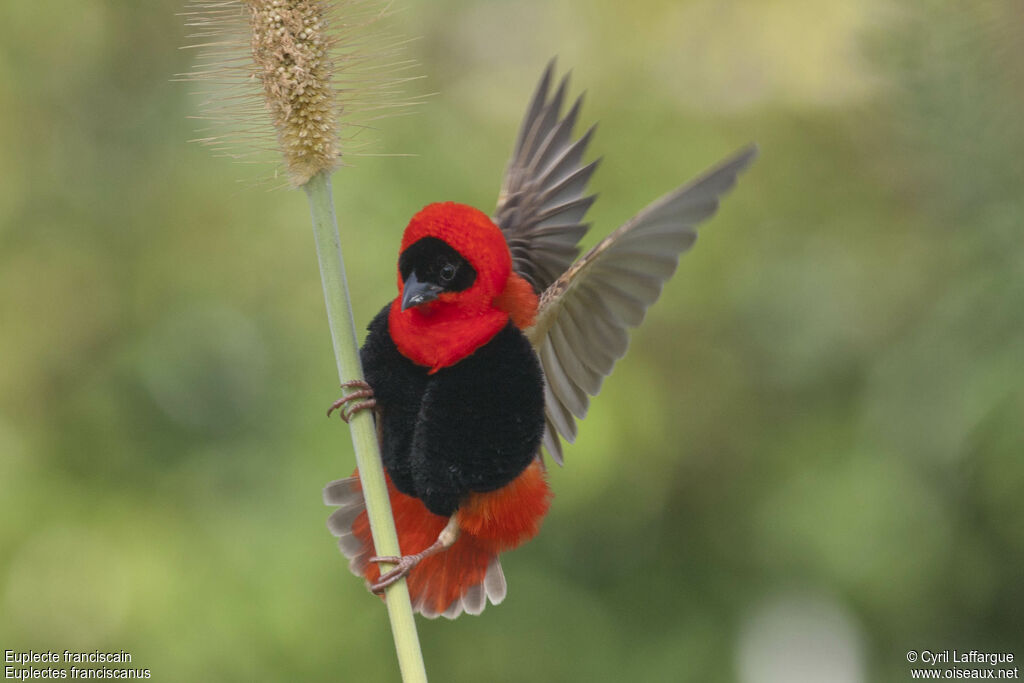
x=472, y=426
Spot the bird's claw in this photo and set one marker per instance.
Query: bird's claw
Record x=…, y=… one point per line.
x=403, y=565
x=350, y=404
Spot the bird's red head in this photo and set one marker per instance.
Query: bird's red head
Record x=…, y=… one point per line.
x=474, y=237
x=456, y=286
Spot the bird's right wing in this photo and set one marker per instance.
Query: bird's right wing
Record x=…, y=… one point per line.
x=543, y=196
x=581, y=327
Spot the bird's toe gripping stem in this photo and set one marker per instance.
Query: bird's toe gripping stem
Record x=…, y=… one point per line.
x=351, y=403
x=403, y=565
x=406, y=563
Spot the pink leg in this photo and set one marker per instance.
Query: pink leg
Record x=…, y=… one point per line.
x=406, y=563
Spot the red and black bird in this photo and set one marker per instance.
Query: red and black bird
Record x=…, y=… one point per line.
x=496, y=341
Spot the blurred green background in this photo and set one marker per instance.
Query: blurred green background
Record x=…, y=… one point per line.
x=808, y=463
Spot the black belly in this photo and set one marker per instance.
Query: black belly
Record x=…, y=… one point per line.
x=471, y=427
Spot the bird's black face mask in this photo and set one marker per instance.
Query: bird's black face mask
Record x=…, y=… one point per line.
x=430, y=267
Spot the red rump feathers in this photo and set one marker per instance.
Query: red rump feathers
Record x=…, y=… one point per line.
x=456, y=324
x=465, y=576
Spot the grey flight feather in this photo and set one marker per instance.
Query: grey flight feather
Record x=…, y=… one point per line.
x=543, y=197
x=584, y=315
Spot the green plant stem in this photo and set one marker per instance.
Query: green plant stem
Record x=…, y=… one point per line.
x=364, y=435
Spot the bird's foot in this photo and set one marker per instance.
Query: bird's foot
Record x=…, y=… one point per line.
x=352, y=403
x=406, y=563
x=403, y=565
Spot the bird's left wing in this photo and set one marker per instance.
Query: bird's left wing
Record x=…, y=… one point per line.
x=581, y=326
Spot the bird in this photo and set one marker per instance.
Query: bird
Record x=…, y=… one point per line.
x=490, y=352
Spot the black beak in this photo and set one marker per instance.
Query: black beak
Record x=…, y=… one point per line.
x=415, y=292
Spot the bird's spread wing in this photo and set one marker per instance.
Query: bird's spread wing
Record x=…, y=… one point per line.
x=543, y=201
x=581, y=327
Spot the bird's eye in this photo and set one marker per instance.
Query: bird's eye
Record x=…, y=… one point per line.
x=447, y=272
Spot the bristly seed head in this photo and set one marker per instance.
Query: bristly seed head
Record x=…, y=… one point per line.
x=321, y=69
x=291, y=51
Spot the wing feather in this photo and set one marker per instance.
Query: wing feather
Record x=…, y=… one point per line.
x=584, y=317
x=543, y=196
x=576, y=368
x=551, y=442
x=559, y=415
x=563, y=387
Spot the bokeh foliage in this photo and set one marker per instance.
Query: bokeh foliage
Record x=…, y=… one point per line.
x=811, y=456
